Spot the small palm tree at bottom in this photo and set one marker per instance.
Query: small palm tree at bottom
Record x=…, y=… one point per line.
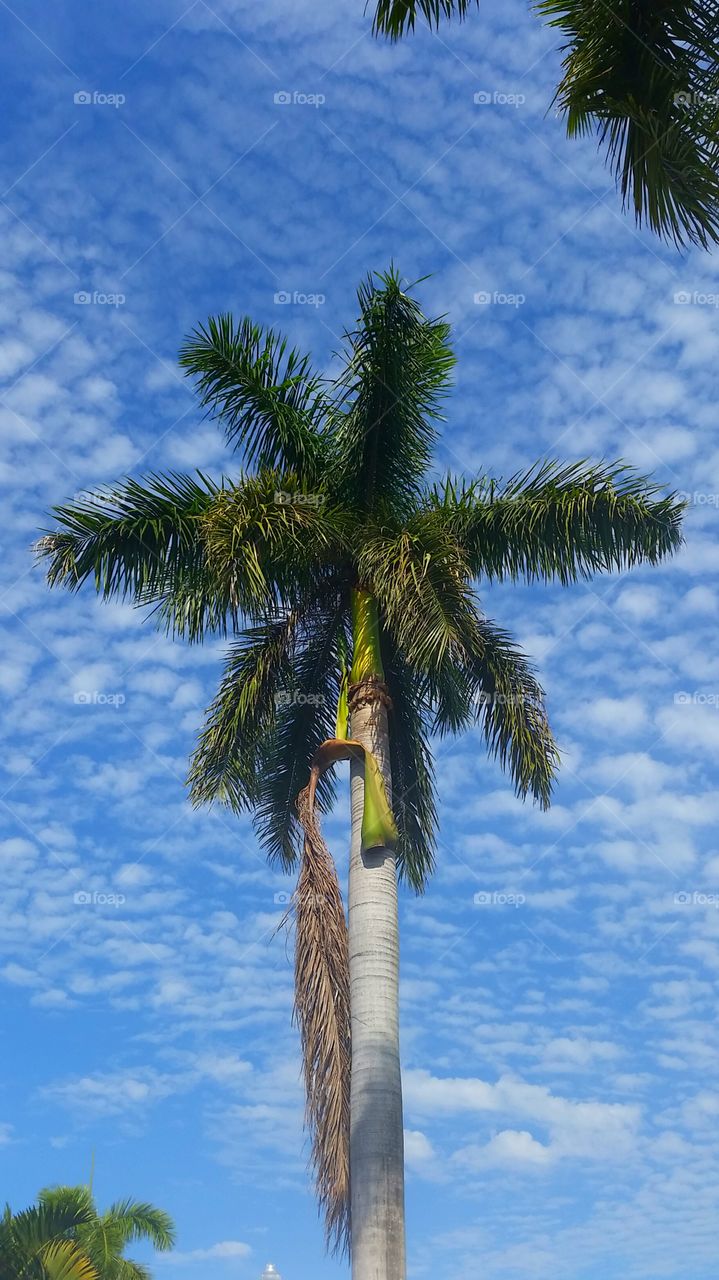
x=348, y=580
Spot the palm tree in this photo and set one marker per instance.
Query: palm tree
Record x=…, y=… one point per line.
x=645, y=76
x=346, y=580
x=103, y=1237
x=38, y=1244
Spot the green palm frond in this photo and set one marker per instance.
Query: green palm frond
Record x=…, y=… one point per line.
x=37, y=1243
x=510, y=711
x=131, y=540
x=472, y=671
x=395, y=17
x=275, y=705
x=65, y=1260
x=398, y=365
x=305, y=718
x=267, y=542
x=226, y=764
x=561, y=522
x=420, y=578
x=413, y=788
x=267, y=398
x=139, y=1220
x=646, y=77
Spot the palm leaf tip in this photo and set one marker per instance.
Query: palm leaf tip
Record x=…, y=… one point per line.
x=394, y=18
x=646, y=77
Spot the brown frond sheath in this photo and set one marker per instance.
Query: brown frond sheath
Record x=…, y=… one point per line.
x=322, y=987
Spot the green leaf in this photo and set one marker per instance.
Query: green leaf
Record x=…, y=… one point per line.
x=398, y=364
x=395, y=17
x=266, y=397
x=646, y=77
x=561, y=522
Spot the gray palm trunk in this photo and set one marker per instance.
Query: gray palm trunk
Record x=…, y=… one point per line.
x=376, y=1133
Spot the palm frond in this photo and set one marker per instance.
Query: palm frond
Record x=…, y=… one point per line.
x=266, y=544
x=305, y=718
x=275, y=705
x=136, y=540
x=394, y=18
x=646, y=76
x=511, y=711
x=398, y=365
x=267, y=398
x=560, y=522
x=421, y=581
x=472, y=671
x=139, y=1220
x=66, y=1260
x=413, y=787
x=227, y=761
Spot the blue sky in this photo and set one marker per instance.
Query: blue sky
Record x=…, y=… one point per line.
x=559, y=1034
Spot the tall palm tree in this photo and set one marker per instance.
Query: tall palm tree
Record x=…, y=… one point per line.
x=103, y=1237
x=346, y=580
x=643, y=74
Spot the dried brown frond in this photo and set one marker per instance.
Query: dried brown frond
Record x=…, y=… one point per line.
x=322, y=1012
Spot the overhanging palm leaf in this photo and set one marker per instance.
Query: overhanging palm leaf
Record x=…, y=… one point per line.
x=362, y=580
x=645, y=78
x=395, y=17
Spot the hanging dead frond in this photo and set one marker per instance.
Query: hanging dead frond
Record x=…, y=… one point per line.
x=322, y=1012
x=322, y=984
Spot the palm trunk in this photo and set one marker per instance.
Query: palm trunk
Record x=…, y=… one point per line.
x=376, y=1133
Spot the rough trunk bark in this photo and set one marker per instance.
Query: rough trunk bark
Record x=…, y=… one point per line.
x=376, y=1134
